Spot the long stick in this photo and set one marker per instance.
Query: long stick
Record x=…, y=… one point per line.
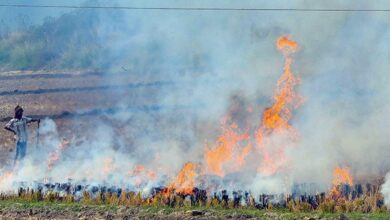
x=38, y=136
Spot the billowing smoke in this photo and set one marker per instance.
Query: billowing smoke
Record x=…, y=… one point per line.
x=385, y=190
x=215, y=74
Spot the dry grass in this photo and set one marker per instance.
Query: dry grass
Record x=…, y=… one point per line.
x=365, y=204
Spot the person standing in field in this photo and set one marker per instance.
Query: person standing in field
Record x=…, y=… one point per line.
x=18, y=126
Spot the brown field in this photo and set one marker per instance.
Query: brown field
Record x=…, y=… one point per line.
x=60, y=94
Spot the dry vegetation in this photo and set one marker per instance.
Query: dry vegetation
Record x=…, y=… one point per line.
x=366, y=204
x=35, y=204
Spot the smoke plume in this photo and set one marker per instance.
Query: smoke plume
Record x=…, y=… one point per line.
x=221, y=72
x=385, y=190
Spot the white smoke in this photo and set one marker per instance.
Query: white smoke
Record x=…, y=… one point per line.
x=212, y=57
x=385, y=190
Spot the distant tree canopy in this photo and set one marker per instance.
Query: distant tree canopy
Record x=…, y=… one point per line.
x=71, y=41
x=110, y=40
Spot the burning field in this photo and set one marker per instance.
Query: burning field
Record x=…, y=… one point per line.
x=247, y=167
x=206, y=117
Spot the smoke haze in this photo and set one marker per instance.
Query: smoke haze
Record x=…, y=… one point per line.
x=220, y=64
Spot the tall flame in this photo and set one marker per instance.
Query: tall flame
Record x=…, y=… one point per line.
x=276, y=118
x=233, y=147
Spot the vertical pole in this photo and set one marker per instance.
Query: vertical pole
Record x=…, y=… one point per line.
x=37, y=144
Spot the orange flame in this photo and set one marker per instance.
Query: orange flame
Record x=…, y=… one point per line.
x=5, y=176
x=241, y=157
x=227, y=153
x=184, y=182
x=276, y=118
x=142, y=174
x=341, y=175
x=55, y=156
x=138, y=169
x=285, y=45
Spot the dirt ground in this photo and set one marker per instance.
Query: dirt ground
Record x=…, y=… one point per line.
x=59, y=95
x=76, y=211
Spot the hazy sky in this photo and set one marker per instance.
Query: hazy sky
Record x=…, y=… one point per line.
x=17, y=16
